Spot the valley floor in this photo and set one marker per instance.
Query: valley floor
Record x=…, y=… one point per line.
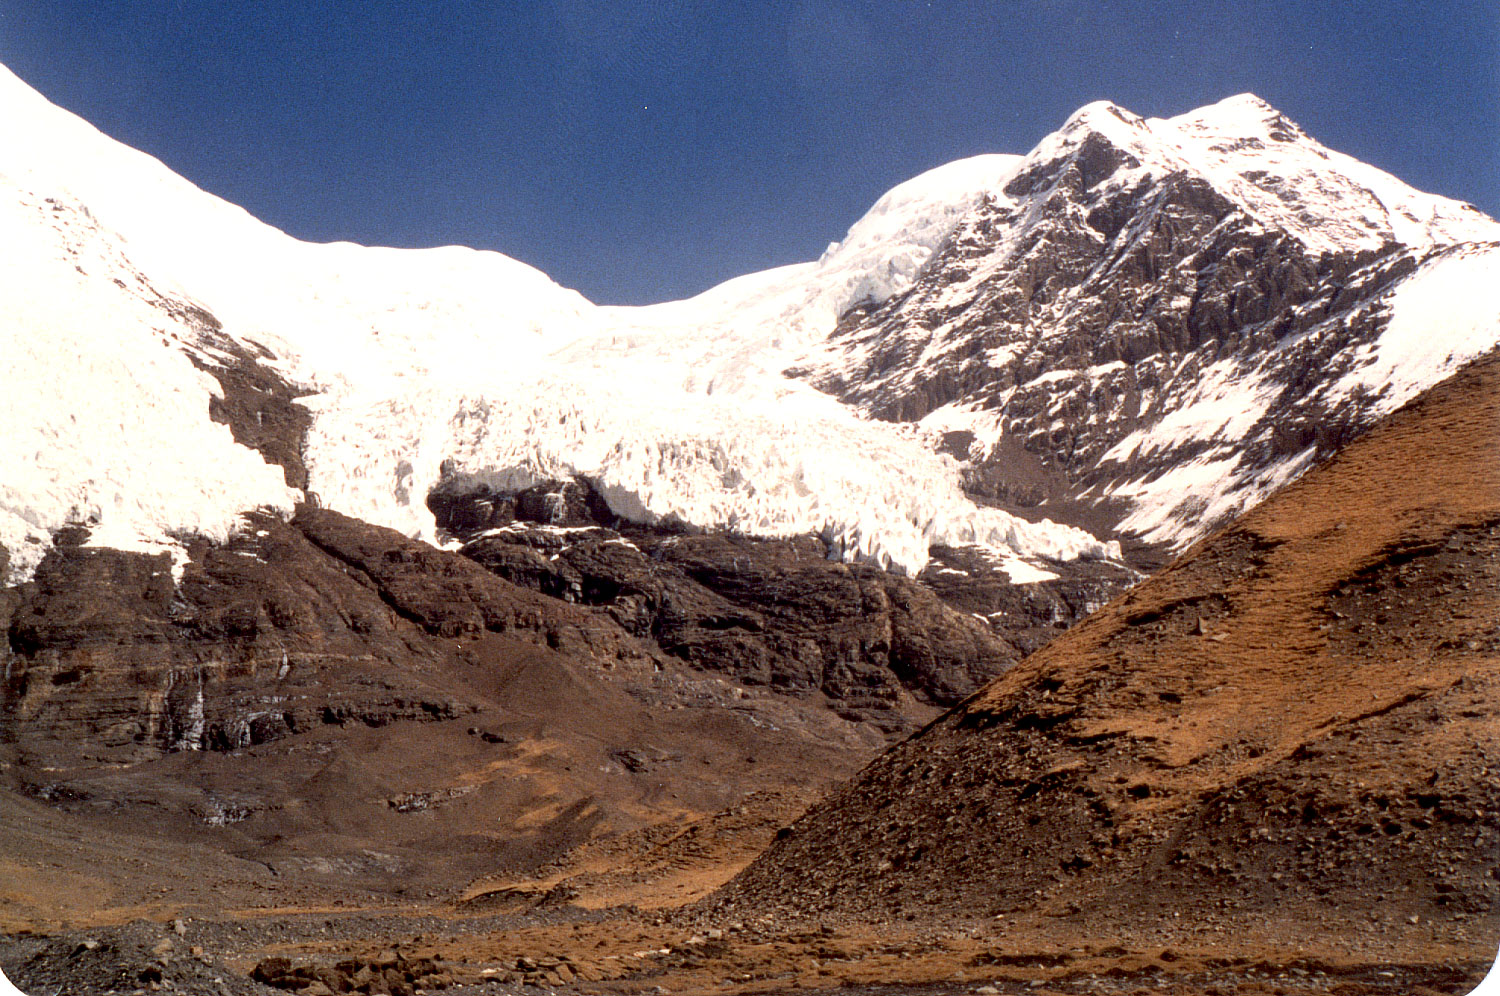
x=625, y=951
x=1350, y=691
x=201, y=923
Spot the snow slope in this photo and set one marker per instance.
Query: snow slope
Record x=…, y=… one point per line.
x=1441, y=317
x=105, y=418
x=450, y=358
x=340, y=313
x=454, y=363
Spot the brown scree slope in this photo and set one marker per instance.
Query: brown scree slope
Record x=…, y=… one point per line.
x=1292, y=727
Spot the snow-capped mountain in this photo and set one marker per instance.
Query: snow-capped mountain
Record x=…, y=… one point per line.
x=1154, y=323
x=1117, y=311
x=429, y=364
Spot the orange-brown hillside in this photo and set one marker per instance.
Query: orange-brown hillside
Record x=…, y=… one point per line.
x=1292, y=730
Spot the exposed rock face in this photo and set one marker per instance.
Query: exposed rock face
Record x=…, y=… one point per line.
x=1295, y=720
x=325, y=619
x=465, y=510
x=326, y=705
x=258, y=406
x=774, y=612
x=800, y=620
x=447, y=595
x=1120, y=312
x=334, y=706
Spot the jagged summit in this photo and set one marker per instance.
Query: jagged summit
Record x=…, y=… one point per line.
x=1103, y=117
x=1260, y=159
x=1156, y=322
x=1231, y=115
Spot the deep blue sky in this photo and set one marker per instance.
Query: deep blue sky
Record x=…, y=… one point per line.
x=644, y=151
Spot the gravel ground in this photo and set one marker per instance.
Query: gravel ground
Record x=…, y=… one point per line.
x=193, y=958
x=136, y=958
x=188, y=956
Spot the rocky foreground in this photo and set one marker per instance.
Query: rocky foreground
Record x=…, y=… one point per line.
x=625, y=952
x=1290, y=732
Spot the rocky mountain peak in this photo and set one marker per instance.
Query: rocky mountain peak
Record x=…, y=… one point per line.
x=1104, y=118
x=1260, y=160
x=1142, y=330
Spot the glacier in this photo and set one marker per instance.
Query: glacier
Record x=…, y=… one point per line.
x=452, y=361
x=458, y=365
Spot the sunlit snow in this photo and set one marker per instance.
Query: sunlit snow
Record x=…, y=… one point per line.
x=426, y=359
x=1442, y=317
x=462, y=365
x=105, y=419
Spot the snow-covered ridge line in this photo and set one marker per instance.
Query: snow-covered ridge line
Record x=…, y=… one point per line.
x=454, y=361
x=1147, y=308
x=427, y=357
x=1278, y=174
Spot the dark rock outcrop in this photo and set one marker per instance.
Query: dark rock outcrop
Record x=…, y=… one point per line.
x=464, y=508
x=322, y=620
x=395, y=976
x=774, y=612
x=854, y=632
x=258, y=406
x=449, y=595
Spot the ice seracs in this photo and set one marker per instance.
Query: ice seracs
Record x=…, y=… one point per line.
x=420, y=359
x=681, y=411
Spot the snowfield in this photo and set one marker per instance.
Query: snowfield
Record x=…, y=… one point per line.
x=105, y=419
x=453, y=362
x=421, y=358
